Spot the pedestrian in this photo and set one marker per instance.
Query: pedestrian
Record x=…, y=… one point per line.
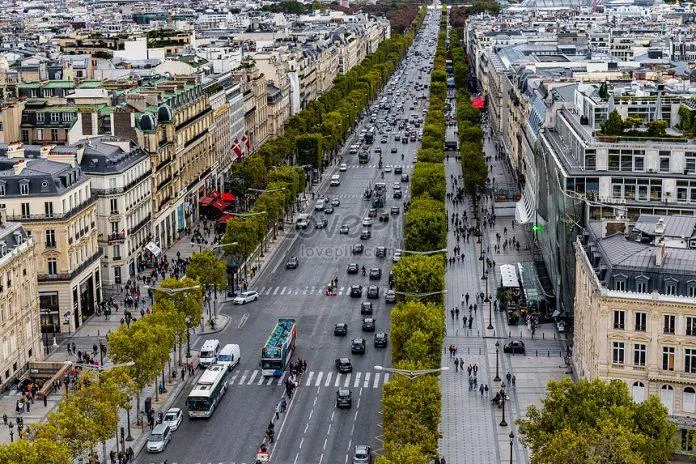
x=183, y=372
x=466, y=297
x=485, y=388
x=514, y=380
x=45, y=400
x=452, y=313
x=464, y=322
x=456, y=312
x=456, y=364
x=277, y=411
x=481, y=390
x=508, y=376
x=469, y=369
x=475, y=368
x=283, y=404
x=4, y=418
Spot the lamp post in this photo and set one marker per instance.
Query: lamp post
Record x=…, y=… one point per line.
x=483, y=264
x=497, y=363
x=188, y=338
x=411, y=375
x=512, y=437
x=129, y=437
x=11, y=426
x=503, y=398
x=490, y=308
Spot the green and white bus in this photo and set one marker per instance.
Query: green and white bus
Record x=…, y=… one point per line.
x=208, y=392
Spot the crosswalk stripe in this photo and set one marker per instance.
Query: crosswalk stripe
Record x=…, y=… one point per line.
x=328, y=379
x=253, y=376
x=234, y=377
x=268, y=292
x=281, y=378
x=241, y=381
x=319, y=377
x=309, y=379
x=347, y=382
x=375, y=384
x=340, y=292
x=304, y=292
x=297, y=291
x=261, y=380
x=338, y=380
x=276, y=290
x=270, y=380
x=367, y=380
x=357, y=380
x=386, y=378
x=282, y=292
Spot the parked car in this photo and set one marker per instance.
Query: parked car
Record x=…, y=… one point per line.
x=362, y=454
x=292, y=263
x=341, y=329
x=397, y=256
x=514, y=346
x=246, y=297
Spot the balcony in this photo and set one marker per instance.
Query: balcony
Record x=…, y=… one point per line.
x=164, y=182
x=139, y=225
x=70, y=275
x=163, y=165
x=115, y=237
x=53, y=217
x=125, y=188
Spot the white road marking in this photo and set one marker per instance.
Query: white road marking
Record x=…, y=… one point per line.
x=309, y=379
x=262, y=379
x=376, y=382
x=241, y=381
x=304, y=292
x=234, y=377
x=338, y=380
x=276, y=290
x=328, y=379
x=319, y=377
x=367, y=380
x=270, y=380
x=253, y=376
x=281, y=378
x=282, y=292
x=347, y=382
x=268, y=292
x=312, y=291
x=301, y=441
x=357, y=380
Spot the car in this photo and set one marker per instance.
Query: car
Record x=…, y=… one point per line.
x=384, y=217
x=381, y=340
x=159, y=438
x=367, y=222
x=292, y=263
x=366, y=308
x=397, y=138
x=365, y=234
x=397, y=194
x=173, y=418
x=335, y=202
x=372, y=212
x=329, y=210
x=321, y=223
x=387, y=168
x=362, y=454
x=356, y=291
x=344, y=229
x=375, y=273
x=404, y=178
x=358, y=249
x=341, y=329
x=514, y=346
x=380, y=252
x=393, y=150
x=372, y=292
x=357, y=345
x=397, y=256
x=353, y=268
x=344, y=398
x=343, y=167
x=246, y=297
x=344, y=365
x=302, y=224
x=378, y=150
x=368, y=324
x=398, y=169
x=384, y=140
x=394, y=210
x=390, y=296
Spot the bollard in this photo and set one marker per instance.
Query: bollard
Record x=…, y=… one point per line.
x=98, y=334
x=478, y=333
x=543, y=335
x=509, y=334
x=548, y=354
x=554, y=335
x=521, y=334
x=468, y=350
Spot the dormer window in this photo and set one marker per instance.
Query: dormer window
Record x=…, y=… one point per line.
x=620, y=283
x=642, y=284
x=18, y=238
x=671, y=286
x=44, y=185
x=3, y=190
x=24, y=187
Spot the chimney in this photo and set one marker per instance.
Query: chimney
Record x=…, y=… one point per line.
x=660, y=227
x=660, y=254
x=45, y=150
x=19, y=167
x=3, y=217
x=15, y=150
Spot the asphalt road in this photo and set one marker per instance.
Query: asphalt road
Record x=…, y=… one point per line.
x=312, y=430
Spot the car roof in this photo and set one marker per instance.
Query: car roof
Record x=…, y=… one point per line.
x=174, y=410
x=343, y=391
x=362, y=448
x=358, y=340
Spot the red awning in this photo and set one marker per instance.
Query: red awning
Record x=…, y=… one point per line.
x=206, y=201
x=228, y=197
x=221, y=205
x=478, y=103
x=224, y=218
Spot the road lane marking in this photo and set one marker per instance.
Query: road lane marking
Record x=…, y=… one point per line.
x=253, y=376
x=243, y=320
x=357, y=380
x=319, y=377
x=282, y=292
x=262, y=379
x=325, y=441
x=328, y=379
x=328, y=432
x=297, y=291
x=304, y=292
x=296, y=458
x=301, y=442
x=309, y=379
x=386, y=378
x=367, y=380
x=376, y=382
x=268, y=292
x=338, y=380
x=321, y=458
x=281, y=378
x=276, y=290
x=347, y=382
x=312, y=291
x=234, y=377
x=270, y=380
x=241, y=381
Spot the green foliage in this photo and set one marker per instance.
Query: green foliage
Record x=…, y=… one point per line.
x=490, y=7
x=431, y=155
x=425, y=225
x=614, y=125
x=38, y=451
x=189, y=302
x=412, y=316
x=687, y=119
x=657, y=128
x=288, y=7
x=597, y=422
x=309, y=150
x=428, y=180
x=207, y=269
x=604, y=91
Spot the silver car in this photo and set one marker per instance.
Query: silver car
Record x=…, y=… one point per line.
x=362, y=454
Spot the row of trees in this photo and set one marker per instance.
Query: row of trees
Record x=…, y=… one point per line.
x=411, y=409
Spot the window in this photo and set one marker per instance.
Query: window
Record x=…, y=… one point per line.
x=618, y=353
x=48, y=208
x=52, y=266
x=54, y=135
x=690, y=360
x=2, y=189
x=114, y=205
x=667, y=397
x=640, y=322
x=638, y=392
x=40, y=117
x=642, y=284
x=619, y=319
x=669, y=324
x=664, y=164
x=670, y=287
x=24, y=188
x=691, y=326
x=55, y=117
x=668, y=358
x=689, y=400
x=691, y=289
x=690, y=162
x=50, y=238
x=639, y=355
x=117, y=251
x=25, y=211
x=620, y=285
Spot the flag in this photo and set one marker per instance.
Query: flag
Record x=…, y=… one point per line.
x=245, y=139
x=237, y=149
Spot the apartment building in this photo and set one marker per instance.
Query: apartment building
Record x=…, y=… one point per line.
x=222, y=142
x=20, y=329
x=120, y=175
x=635, y=311
x=253, y=85
x=45, y=189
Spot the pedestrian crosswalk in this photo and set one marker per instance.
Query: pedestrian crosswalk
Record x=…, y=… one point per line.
x=407, y=167
x=313, y=290
x=331, y=379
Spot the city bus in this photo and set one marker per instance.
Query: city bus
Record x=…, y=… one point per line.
x=277, y=351
x=370, y=135
x=208, y=392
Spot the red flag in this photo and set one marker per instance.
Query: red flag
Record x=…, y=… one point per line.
x=237, y=150
x=245, y=139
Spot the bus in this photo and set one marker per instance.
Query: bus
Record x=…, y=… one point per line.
x=208, y=392
x=370, y=135
x=277, y=351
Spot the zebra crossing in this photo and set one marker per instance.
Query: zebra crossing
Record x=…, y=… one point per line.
x=406, y=167
x=313, y=290
x=314, y=379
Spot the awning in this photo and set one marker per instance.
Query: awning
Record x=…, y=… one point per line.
x=206, y=201
x=508, y=275
x=229, y=197
x=524, y=209
x=478, y=103
x=221, y=205
x=224, y=218
x=154, y=249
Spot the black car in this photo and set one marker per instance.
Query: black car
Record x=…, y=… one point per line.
x=335, y=202
x=292, y=263
x=344, y=365
x=375, y=273
x=356, y=291
x=404, y=177
x=515, y=346
x=366, y=308
x=357, y=345
x=328, y=210
x=358, y=249
x=341, y=329
x=365, y=234
x=393, y=150
x=321, y=223
x=372, y=292
x=381, y=252
x=344, y=229
x=383, y=217
x=372, y=212
x=398, y=169
x=344, y=398
x=353, y=268
x=381, y=340
x=368, y=324
x=397, y=194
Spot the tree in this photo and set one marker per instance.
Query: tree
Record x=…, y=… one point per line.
x=425, y=225
x=187, y=304
x=600, y=422
x=429, y=180
x=657, y=128
x=614, y=125
x=246, y=232
x=207, y=269
x=604, y=91
x=412, y=316
x=406, y=454
x=38, y=451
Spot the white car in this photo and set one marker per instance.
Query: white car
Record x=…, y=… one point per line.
x=343, y=167
x=397, y=256
x=387, y=168
x=246, y=297
x=173, y=418
x=367, y=222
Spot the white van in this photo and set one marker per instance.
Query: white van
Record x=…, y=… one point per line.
x=335, y=180
x=229, y=356
x=319, y=205
x=209, y=353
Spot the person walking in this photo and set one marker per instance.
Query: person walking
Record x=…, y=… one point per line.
x=456, y=312
x=485, y=388
x=481, y=390
x=514, y=381
x=456, y=364
x=508, y=376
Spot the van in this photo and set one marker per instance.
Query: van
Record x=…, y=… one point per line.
x=159, y=438
x=209, y=353
x=319, y=205
x=335, y=180
x=229, y=356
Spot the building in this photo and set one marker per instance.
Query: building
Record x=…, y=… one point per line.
x=120, y=173
x=635, y=311
x=253, y=84
x=45, y=189
x=20, y=331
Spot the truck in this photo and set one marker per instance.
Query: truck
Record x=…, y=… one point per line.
x=278, y=349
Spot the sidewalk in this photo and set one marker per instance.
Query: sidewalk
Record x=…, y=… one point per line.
x=469, y=424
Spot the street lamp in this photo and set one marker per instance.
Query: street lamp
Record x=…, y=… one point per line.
x=188, y=338
x=411, y=374
x=490, y=307
x=11, y=426
x=512, y=437
x=503, y=398
x=431, y=252
x=497, y=355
